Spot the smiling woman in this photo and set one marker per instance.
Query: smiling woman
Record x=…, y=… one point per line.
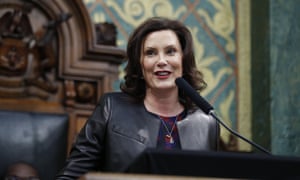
x=150, y=112
x=161, y=61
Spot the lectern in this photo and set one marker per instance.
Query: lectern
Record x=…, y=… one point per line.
x=216, y=164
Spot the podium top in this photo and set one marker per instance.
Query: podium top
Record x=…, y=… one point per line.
x=122, y=176
x=216, y=164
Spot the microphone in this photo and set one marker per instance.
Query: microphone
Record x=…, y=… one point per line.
x=208, y=109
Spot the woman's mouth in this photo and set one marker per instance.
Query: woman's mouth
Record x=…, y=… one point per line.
x=162, y=74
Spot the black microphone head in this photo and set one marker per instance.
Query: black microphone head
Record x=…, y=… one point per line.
x=193, y=95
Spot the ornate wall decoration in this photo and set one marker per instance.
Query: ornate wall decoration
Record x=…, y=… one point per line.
x=54, y=59
x=27, y=52
x=213, y=24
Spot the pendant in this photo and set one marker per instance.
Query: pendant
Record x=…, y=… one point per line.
x=169, y=139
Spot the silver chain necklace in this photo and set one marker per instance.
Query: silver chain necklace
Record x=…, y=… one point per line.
x=169, y=136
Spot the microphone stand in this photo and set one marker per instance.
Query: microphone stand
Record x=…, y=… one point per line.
x=208, y=109
x=237, y=134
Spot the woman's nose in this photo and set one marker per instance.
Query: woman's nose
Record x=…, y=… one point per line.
x=162, y=60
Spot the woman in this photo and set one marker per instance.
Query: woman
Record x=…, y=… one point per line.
x=150, y=112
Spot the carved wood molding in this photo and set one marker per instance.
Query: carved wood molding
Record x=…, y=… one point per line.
x=56, y=47
x=83, y=35
x=51, y=59
x=27, y=51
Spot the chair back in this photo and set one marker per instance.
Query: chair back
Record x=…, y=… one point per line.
x=36, y=138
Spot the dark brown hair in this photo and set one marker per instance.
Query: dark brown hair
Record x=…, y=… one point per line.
x=134, y=85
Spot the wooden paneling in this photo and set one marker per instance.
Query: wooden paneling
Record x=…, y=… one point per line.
x=54, y=59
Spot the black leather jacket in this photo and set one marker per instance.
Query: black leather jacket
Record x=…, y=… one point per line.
x=119, y=130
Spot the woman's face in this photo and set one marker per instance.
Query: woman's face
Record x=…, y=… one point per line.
x=161, y=59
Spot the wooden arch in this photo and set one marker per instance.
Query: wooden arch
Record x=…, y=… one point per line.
x=51, y=61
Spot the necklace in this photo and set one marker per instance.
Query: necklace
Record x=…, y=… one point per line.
x=168, y=136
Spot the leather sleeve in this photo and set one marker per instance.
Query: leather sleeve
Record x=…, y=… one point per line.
x=215, y=134
x=87, y=151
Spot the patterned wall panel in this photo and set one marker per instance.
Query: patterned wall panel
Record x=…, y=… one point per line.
x=214, y=25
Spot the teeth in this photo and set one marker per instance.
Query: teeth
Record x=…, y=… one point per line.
x=162, y=73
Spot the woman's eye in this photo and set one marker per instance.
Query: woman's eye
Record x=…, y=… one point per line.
x=171, y=51
x=150, y=53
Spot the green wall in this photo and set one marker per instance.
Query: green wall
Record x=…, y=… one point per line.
x=276, y=75
x=285, y=76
